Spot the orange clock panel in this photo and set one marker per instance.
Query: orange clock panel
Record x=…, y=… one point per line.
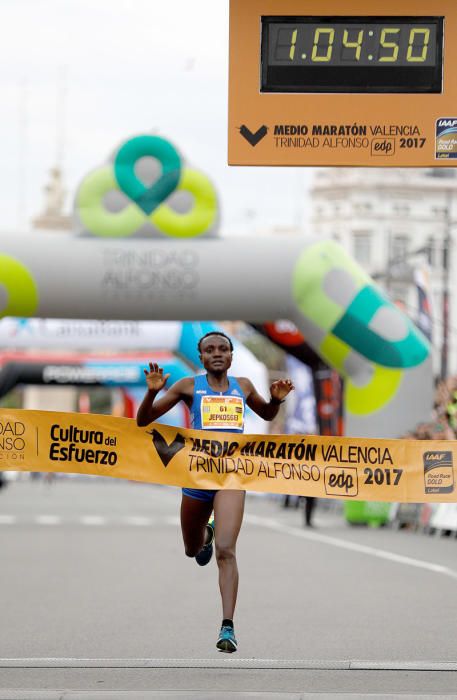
x=343, y=83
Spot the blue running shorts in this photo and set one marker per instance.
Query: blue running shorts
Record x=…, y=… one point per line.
x=200, y=495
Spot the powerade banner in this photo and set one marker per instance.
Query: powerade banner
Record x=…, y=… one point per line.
x=308, y=465
x=89, y=371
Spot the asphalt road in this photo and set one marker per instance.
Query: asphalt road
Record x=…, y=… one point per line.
x=97, y=596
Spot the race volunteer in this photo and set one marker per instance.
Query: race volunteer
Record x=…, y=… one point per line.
x=216, y=401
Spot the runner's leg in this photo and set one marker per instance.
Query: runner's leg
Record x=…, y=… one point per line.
x=194, y=516
x=228, y=516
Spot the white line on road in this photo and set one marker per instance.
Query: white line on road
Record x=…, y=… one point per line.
x=205, y=695
x=7, y=519
x=93, y=520
x=352, y=546
x=223, y=662
x=48, y=520
x=138, y=521
x=130, y=520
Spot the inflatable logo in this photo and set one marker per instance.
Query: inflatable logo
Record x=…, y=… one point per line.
x=355, y=328
x=146, y=190
x=21, y=291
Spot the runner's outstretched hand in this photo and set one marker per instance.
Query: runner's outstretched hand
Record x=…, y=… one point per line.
x=155, y=378
x=280, y=389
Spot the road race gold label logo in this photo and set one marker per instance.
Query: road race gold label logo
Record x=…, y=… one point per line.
x=341, y=481
x=438, y=472
x=446, y=138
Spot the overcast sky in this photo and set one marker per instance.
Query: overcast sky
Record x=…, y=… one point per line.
x=129, y=67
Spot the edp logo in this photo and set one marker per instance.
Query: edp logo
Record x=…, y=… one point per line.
x=341, y=481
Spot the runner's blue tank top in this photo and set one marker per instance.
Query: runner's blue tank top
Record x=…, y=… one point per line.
x=215, y=410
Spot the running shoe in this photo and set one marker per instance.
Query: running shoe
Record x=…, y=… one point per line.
x=204, y=556
x=227, y=640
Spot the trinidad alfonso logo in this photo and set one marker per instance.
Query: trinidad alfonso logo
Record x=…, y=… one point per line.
x=253, y=137
x=167, y=451
x=146, y=189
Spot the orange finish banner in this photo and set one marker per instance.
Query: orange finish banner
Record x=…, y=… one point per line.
x=307, y=465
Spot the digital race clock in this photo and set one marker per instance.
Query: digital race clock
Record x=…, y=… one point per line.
x=352, y=54
x=343, y=83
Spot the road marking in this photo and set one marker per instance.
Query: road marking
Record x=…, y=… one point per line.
x=7, y=519
x=206, y=695
x=131, y=520
x=93, y=520
x=223, y=662
x=48, y=520
x=272, y=524
x=138, y=521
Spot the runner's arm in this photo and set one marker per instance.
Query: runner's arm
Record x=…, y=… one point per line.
x=150, y=409
x=266, y=409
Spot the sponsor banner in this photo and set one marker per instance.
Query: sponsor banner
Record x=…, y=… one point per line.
x=78, y=334
x=89, y=371
x=309, y=465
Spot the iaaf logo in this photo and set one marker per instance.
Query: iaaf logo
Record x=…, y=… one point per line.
x=341, y=481
x=435, y=456
x=447, y=122
x=438, y=472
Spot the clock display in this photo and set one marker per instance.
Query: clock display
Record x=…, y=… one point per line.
x=352, y=54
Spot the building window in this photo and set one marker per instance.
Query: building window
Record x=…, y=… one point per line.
x=363, y=207
x=432, y=252
x=399, y=248
x=401, y=209
x=362, y=247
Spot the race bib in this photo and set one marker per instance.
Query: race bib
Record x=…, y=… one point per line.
x=222, y=412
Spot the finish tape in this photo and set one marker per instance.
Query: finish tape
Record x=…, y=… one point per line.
x=415, y=471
